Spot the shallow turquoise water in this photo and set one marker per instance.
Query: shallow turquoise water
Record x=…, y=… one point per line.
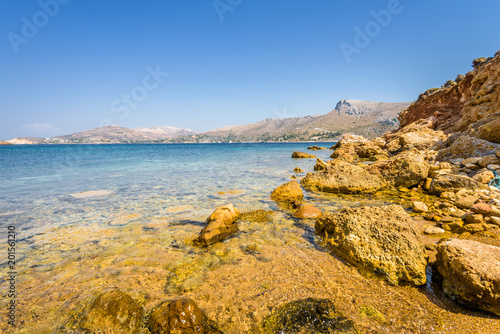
x=178, y=180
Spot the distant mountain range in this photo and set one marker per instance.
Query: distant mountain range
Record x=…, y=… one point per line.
x=366, y=118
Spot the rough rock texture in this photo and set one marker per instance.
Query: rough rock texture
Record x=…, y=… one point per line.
x=466, y=202
x=351, y=147
x=403, y=170
x=343, y=178
x=114, y=311
x=302, y=155
x=466, y=146
x=180, y=316
x=320, y=165
x=298, y=170
x=471, y=105
x=445, y=183
x=307, y=212
x=471, y=273
x=309, y=315
x=288, y=195
x=484, y=176
x=220, y=225
x=381, y=240
x=419, y=135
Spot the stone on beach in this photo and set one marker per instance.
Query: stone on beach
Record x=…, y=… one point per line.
x=430, y=230
x=471, y=273
x=466, y=202
x=220, y=225
x=381, y=240
x=419, y=207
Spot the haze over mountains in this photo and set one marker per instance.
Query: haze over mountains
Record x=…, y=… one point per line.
x=366, y=118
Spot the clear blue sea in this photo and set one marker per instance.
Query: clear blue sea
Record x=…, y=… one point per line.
x=183, y=181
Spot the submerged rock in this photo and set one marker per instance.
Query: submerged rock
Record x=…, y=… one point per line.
x=220, y=225
x=307, y=212
x=112, y=312
x=316, y=148
x=302, y=155
x=306, y=316
x=289, y=195
x=343, y=177
x=471, y=273
x=380, y=240
x=180, y=316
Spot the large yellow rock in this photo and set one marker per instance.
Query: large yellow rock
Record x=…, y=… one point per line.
x=289, y=194
x=343, y=177
x=379, y=240
x=471, y=273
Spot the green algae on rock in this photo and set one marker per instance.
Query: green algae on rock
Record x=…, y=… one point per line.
x=180, y=316
x=113, y=312
x=306, y=316
x=372, y=312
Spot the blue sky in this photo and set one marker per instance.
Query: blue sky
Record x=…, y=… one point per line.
x=72, y=65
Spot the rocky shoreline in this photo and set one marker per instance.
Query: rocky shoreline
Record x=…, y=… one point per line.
x=442, y=217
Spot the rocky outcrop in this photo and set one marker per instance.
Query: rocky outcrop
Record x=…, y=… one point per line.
x=419, y=135
x=343, y=177
x=469, y=105
x=309, y=315
x=220, y=225
x=288, y=195
x=180, y=316
x=379, y=240
x=114, y=311
x=302, y=155
x=351, y=147
x=316, y=148
x=403, y=170
x=471, y=273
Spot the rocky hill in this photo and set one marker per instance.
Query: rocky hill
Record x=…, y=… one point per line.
x=164, y=132
x=467, y=109
x=119, y=134
x=367, y=118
